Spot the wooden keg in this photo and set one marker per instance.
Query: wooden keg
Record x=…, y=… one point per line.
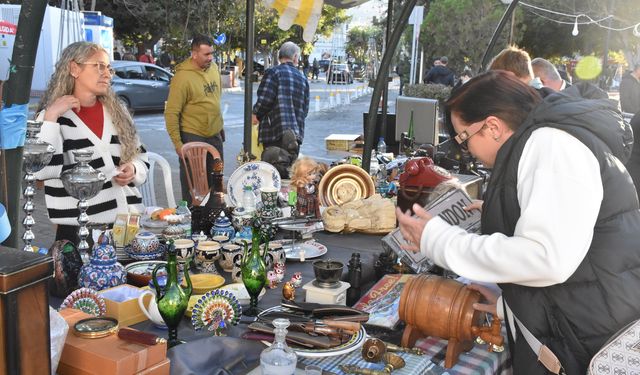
x=434, y=306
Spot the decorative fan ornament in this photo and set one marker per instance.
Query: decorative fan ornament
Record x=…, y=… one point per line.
x=86, y=300
x=215, y=311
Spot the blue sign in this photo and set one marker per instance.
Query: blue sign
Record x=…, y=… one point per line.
x=220, y=39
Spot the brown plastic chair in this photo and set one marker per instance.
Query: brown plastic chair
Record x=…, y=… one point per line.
x=194, y=162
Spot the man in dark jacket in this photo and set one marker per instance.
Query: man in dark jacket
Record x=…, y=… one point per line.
x=440, y=73
x=630, y=91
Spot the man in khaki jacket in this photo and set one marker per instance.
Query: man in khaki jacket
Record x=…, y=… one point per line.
x=192, y=113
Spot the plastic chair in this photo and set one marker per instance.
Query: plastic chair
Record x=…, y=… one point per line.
x=148, y=188
x=194, y=162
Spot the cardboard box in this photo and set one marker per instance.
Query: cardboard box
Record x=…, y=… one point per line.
x=107, y=355
x=120, y=229
x=122, y=304
x=341, y=142
x=133, y=225
x=162, y=368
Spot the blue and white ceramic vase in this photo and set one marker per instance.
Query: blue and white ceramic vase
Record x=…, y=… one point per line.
x=103, y=270
x=222, y=227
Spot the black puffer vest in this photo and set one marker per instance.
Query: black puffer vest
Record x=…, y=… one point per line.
x=576, y=317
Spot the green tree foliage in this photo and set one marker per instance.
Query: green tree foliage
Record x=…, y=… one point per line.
x=358, y=41
x=460, y=30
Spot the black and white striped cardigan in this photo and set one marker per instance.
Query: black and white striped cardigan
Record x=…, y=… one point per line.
x=71, y=133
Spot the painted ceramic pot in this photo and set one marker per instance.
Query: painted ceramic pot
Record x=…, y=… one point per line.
x=207, y=252
x=184, y=249
x=229, y=251
x=241, y=218
x=275, y=254
x=221, y=239
x=145, y=242
x=103, y=270
x=222, y=227
x=269, y=196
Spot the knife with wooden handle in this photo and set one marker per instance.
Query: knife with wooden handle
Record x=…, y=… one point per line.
x=139, y=337
x=347, y=326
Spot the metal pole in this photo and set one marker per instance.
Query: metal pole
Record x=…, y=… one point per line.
x=487, y=53
x=248, y=83
x=385, y=92
x=17, y=91
x=513, y=22
x=381, y=79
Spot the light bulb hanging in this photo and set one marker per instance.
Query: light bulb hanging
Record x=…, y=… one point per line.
x=575, y=28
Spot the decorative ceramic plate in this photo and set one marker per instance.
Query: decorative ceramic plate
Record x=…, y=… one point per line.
x=128, y=249
x=240, y=291
x=312, y=249
x=344, y=183
x=215, y=310
x=192, y=302
x=257, y=174
x=204, y=282
x=86, y=300
x=146, y=222
x=139, y=273
x=354, y=343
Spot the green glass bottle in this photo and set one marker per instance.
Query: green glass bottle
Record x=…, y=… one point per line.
x=254, y=271
x=172, y=300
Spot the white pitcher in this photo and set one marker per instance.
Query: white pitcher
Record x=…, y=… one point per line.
x=152, y=312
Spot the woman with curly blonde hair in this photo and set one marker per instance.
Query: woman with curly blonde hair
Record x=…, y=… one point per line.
x=80, y=111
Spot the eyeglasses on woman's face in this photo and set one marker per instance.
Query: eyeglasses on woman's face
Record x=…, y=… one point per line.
x=463, y=137
x=102, y=67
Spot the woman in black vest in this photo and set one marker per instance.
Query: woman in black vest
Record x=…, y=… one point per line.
x=560, y=218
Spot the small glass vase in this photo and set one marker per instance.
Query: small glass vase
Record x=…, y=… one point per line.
x=254, y=271
x=172, y=300
x=279, y=359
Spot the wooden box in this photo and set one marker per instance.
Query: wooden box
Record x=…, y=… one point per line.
x=107, y=355
x=341, y=142
x=122, y=304
x=25, y=347
x=162, y=368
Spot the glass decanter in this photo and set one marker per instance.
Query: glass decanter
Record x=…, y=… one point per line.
x=254, y=271
x=279, y=359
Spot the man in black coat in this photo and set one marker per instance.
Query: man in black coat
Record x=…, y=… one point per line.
x=630, y=91
x=440, y=73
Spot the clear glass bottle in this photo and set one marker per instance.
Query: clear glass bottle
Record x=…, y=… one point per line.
x=248, y=198
x=382, y=146
x=185, y=222
x=278, y=359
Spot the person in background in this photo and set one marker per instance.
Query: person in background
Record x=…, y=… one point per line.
x=281, y=109
x=147, y=57
x=80, y=111
x=515, y=60
x=560, y=217
x=117, y=55
x=630, y=90
x=548, y=74
x=440, y=73
x=192, y=113
x=464, y=78
x=129, y=56
x=315, y=69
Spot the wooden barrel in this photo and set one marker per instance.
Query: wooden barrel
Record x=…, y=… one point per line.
x=434, y=306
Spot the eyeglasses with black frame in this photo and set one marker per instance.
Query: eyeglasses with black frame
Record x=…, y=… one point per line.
x=102, y=67
x=469, y=132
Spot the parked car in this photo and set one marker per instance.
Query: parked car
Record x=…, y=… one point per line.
x=324, y=64
x=339, y=73
x=141, y=85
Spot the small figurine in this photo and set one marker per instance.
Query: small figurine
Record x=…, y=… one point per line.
x=306, y=175
x=296, y=280
x=273, y=279
x=279, y=269
x=288, y=291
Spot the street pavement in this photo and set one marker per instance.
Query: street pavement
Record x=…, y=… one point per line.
x=338, y=109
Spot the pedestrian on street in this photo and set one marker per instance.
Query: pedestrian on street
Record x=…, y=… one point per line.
x=630, y=91
x=559, y=222
x=192, y=113
x=79, y=110
x=147, y=57
x=281, y=109
x=315, y=69
x=440, y=73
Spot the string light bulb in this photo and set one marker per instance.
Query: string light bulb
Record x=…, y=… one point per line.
x=575, y=28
